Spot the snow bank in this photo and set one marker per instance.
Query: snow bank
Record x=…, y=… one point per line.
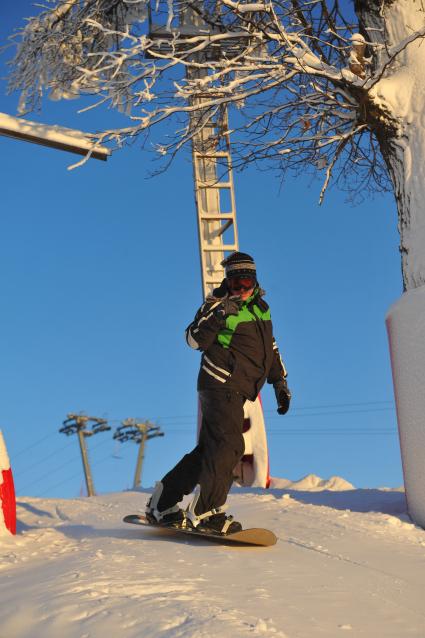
x=75, y=570
x=313, y=483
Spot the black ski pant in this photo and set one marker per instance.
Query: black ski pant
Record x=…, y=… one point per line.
x=211, y=463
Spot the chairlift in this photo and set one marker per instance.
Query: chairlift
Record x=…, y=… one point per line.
x=115, y=454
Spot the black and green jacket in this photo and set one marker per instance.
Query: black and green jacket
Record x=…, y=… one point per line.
x=239, y=352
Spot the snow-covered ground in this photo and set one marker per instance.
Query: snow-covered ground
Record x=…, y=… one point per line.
x=348, y=561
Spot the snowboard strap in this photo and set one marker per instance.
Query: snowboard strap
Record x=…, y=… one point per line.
x=152, y=508
x=227, y=523
x=195, y=519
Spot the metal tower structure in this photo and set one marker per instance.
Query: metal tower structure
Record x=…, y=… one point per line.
x=215, y=202
x=132, y=430
x=214, y=197
x=212, y=164
x=77, y=424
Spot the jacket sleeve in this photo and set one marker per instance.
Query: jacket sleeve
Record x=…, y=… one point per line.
x=201, y=333
x=277, y=369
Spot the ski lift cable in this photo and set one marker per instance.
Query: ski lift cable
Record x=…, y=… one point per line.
x=49, y=473
x=192, y=416
x=45, y=458
x=24, y=471
x=29, y=447
x=57, y=469
x=332, y=433
x=338, y=412
x=281, y=432
x=32, y=445
x=304, y=432
x=310, y=407
x=271, y=411
x=272, y=416
x=70, y=478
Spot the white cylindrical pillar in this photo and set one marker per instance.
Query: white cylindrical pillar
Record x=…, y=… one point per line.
x=256, y=445
x=406, y=333
x=7, y=492
x=253, y=469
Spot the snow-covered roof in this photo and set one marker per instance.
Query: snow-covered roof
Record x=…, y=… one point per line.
x=65, y=139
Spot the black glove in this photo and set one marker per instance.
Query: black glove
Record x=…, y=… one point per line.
x=283, y=396
x=229, y=306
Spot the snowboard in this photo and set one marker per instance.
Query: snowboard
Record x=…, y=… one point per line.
x=253, y=536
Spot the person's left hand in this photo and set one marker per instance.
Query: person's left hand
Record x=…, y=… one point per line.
x=283, y=396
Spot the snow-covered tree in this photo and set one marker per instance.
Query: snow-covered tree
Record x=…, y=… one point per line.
x=340, y=91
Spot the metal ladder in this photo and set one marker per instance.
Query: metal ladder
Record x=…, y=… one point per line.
x=215, y=200
x=213, y=178
x=212, y=165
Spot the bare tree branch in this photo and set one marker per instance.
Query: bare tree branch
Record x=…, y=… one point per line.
x=293, y=71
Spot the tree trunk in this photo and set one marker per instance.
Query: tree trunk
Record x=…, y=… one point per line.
x=399, y=96
x=405, y=159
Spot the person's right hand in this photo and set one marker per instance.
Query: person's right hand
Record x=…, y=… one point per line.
x=229, y=306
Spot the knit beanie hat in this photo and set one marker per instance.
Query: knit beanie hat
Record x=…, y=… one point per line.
x=239, y=265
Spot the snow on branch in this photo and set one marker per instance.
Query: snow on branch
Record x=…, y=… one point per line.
x=296, y=71
x=242, y=7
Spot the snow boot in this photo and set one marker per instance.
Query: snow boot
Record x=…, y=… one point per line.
x=219, y=524
x=213, y=522
x=170, y=517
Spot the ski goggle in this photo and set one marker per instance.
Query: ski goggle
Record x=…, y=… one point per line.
x=241, y=283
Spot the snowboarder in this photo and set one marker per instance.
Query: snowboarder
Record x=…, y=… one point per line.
x=233, y=330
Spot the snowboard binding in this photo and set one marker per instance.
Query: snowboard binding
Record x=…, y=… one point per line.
x=212, y=522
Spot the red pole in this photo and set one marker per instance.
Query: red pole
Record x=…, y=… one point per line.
x=7, y=490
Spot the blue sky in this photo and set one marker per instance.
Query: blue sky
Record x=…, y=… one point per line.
x=99, y=276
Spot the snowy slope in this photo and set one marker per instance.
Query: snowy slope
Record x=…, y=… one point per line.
x=347, y=562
